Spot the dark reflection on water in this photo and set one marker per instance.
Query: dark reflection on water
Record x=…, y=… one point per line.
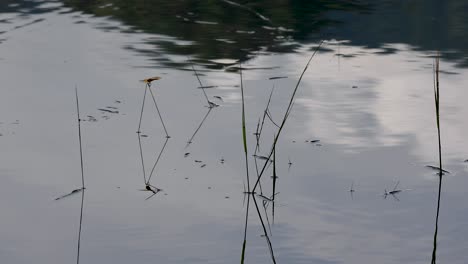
x=244, y=29
x=318, y=171
x=210, y=30
x=25, y=7
x=223, y=29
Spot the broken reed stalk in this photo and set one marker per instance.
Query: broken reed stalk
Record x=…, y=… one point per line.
x=437, y=107
x=257, y=137
x=257, y=148
x=265, y=207
x=265, y=113
x=244, y=140
x=82, y=175
x=258, y=134
x=210, y=104
x=271, y=119
x=288, y=111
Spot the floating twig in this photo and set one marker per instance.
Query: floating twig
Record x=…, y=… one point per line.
x=437, y=169
x=76, y=191
x=277, y=77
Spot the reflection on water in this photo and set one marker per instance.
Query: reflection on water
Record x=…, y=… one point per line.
x=244, y=29
x=229, y=30
x=361, y=122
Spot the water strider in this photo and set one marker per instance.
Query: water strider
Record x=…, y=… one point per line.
x=352, y=190
x=394, y=192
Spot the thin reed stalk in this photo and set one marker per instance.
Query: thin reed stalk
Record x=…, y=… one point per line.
x=79, y=138
x=274, y=187
x=142, y=108
x=139, y=134
x=288, y=111
x=157, y=109
x=142, y=160
x=199, y=81
x=82, y=176
x=244, y=140
x=157, y=161
x=270, y=246
x=198, y=128
x=437, y=107
x=79, y=231
x=257, y=148
x=210, y=104
x=245, y=229
x=258, y=135
x=244, y=133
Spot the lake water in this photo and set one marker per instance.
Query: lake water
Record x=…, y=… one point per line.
x=367, y=96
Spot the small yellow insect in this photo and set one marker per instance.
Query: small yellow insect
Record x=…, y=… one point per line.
x=149, y=80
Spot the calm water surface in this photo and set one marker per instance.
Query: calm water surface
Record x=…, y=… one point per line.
x=367, y=96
